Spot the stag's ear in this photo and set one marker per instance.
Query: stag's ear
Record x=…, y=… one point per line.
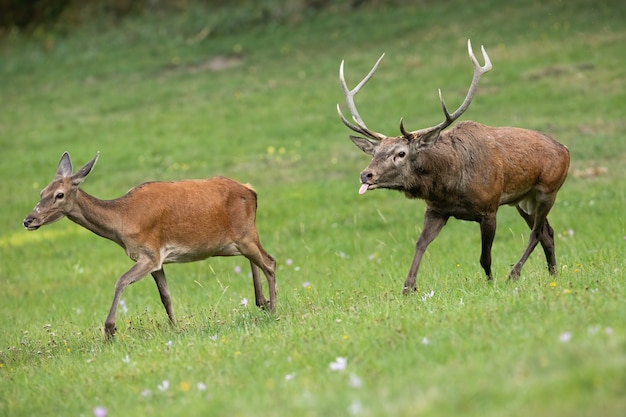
x=84, y=171
x=366, y=145
x=425, y=140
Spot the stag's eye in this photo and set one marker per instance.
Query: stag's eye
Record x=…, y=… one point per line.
x=401, y=154
x=59, y=196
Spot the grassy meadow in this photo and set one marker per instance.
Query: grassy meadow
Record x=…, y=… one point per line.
x=189, y=96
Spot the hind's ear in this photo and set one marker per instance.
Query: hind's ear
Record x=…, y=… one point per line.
x=84, y=171
x=65, y=166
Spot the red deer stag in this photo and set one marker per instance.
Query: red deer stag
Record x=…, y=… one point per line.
x=466, y=172
x=162, y=222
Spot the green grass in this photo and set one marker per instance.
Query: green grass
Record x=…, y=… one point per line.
x=142, y=95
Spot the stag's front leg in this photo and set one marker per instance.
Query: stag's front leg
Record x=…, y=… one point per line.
x=433, y=223
x=487, y=234
x=134, y=274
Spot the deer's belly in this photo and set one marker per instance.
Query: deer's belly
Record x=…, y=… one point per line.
x=182, y=254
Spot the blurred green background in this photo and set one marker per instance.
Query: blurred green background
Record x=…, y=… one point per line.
x=189, y=89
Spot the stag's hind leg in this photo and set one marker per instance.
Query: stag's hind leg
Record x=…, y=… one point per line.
x=546, y=238
x=487, y=234
x=541, y=231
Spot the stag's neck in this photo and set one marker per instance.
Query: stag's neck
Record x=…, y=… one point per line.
x=102, y=217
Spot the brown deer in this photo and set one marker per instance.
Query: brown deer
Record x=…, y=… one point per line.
x=162, y=222
x=466, y=172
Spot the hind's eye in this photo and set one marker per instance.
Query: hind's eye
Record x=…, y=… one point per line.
x=401, y=154
x=59, y=196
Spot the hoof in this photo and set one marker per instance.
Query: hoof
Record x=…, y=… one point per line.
x=109, y=331
x=514, y=275
x=266, y=305
x=408, y=290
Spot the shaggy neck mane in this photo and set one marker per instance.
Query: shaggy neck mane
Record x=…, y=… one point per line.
x=427, y=181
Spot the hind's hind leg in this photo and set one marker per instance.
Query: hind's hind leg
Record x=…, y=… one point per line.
x=259, y=258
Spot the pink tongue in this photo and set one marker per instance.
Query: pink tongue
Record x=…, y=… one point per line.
x=363, y=188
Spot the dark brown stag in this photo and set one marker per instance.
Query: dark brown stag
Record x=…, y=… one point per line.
x=466, y=172
x=163, y=222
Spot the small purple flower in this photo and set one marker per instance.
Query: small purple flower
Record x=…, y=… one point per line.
x=306, y=284
x=289, y=261
x=163, y=386
x=99, y=411
x=244, y=302
x=237, y=269
x=565, y=337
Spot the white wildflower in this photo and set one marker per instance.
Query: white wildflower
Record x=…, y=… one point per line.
x=339, y=364
x=355, y=381
x=565, y=337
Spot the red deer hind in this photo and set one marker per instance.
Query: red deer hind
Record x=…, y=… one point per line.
x=466, y=172
x=163, y=222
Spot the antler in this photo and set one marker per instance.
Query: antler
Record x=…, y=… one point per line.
x=360, y=125
x=450, y=118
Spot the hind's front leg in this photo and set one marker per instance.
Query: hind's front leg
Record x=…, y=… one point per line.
x=134, y=274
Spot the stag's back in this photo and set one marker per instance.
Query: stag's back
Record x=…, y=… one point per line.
x=517, y=160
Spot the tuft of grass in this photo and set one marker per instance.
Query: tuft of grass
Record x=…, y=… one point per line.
x=258, y=105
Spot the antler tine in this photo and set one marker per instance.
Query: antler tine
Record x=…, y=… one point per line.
x=360, y=126
x=478, y=72
x=450, y=118
x=405, y=132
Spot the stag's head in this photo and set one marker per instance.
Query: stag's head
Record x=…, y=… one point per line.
x=57, y=198
x=392, y=156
